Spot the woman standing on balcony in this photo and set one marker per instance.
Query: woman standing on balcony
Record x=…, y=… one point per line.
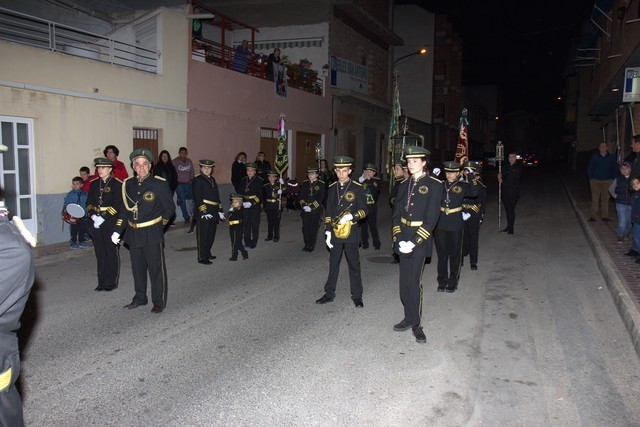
x=241, y=57
x=274, y=58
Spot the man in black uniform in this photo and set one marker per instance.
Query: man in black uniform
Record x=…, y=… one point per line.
x=475, y=208
x=104, y=205
x=251, y=189
x=312, y=196
x=371, y=185
x=272, y=199
x=346, y=205
x=236, y=229
x=448, y=234
x=17, y=273
x=148, y=208
x=206, y=199
x=510, y=181
x=415, y=215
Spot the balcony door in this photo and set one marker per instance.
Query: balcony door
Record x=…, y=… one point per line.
x=17, y=172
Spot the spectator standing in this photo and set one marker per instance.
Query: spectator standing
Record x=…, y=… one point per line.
x=635, y=218
x=77, y=229
x=263, y=165
x=185, y=174
x=601, y=172
x=274, y=58
x=622, y=195
x=165, y=169
x=111, y=152
x=634, y=157
x=238, y=170
x=510, y=180
x=241, y=57
x=85, y=174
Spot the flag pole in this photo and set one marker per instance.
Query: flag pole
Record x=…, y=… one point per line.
x=499, y=159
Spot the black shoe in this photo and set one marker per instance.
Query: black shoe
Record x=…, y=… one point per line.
x=305, y=249
x=267, y=239
x=133, y=304
x=358, y=303
x=402, y=326
x=157, y=309
x=510, y=232
x=605, y=219
x=461, y=262
x=205, y=262
x=253, y=246
x=212, y=257
x=377, y=248
x=504, y=230
x=474, y=266
x=591, y=219
x=325, y=299
x=419, y=334
x=233, y=258
x=245, y=255
x=365, y=246
x=108, y=289
x=99, y=288
x=442, y=287
x=190, y=230
x=450, y=288
x=632, y=253
x=275, y=239
x=310, y=249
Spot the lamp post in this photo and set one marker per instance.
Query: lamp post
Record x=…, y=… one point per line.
x=421, y=51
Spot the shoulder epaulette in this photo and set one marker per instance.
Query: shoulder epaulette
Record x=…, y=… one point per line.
x=94, y=178
x=435, y=179
x=306, y=180
x=333, y=183
x=197, y=175
x=160, y=178
x=357, y=183
x=118, y=179
x=321, y=181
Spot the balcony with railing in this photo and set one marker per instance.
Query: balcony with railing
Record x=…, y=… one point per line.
x=219, y=53
x=32, y=31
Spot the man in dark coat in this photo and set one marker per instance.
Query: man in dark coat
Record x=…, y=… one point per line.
x=312, y=196
x=206, y=198
x=510, y=180
x=251, y=189
x=148, y=208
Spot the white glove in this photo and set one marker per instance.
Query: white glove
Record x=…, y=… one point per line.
x=406, y=247
x=469, y=170
x=221, y=215
x=115, y=238
x=465, y=216
x=230, y=209
x=306, y=208
x=279, y=191
x=328, y=239
x=97, y=220
x=347, y=217
x=361, y=179
x=246, y=204
x=206, y=216
x=280, y=181
x=436, y=171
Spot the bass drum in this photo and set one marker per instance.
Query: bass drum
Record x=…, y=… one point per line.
x=73, y=214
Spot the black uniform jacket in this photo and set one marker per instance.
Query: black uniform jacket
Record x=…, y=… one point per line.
x=393, y=195
x=271, y=199
x=475, y=205
x=451, y=210
x=252, y=191
x=372, y=190
x=148, y=208
x=416, y=214
x=206, y=196
x=342, y=198
x=312, y=194
x=105, y=199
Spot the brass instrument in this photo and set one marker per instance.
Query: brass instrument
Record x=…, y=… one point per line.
x=342, y=231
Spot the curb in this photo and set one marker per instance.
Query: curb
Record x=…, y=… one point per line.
x=626, y=305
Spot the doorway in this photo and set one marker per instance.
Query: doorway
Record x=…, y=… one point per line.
x=306, y=144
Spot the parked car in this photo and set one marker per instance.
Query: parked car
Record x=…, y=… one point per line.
x=490, y=160
x=529, y=160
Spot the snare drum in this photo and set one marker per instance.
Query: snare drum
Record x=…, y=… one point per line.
x=73, y=213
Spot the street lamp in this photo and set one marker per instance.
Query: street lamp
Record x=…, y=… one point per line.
x=421, y=51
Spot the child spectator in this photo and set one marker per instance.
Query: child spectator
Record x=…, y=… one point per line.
x=85, y=174
x=236, y=228
x=635, y=216
x=622, y=196
x=77, y=229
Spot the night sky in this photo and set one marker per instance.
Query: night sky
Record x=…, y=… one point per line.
x=523, y=46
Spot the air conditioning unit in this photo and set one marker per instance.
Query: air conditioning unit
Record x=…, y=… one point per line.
x=442, y=90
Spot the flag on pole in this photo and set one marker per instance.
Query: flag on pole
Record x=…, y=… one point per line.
x=462, y=149
x=281, y=162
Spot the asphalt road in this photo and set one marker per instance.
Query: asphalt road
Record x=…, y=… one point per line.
x=530, y=339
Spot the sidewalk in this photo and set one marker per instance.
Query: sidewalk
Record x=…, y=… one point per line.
x=621, y=273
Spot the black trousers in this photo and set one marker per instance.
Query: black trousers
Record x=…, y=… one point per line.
x=470, y=239
x=449, y=248
x=411, y=287
x=370, y=223
x=78, y=231
x=510, y=201
x=236, y=232
x=273, y=223
x=149, y=259
x=205, y=235
x=310, y=224
x=251, y=221
x=353, y=259
x=107, y=255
